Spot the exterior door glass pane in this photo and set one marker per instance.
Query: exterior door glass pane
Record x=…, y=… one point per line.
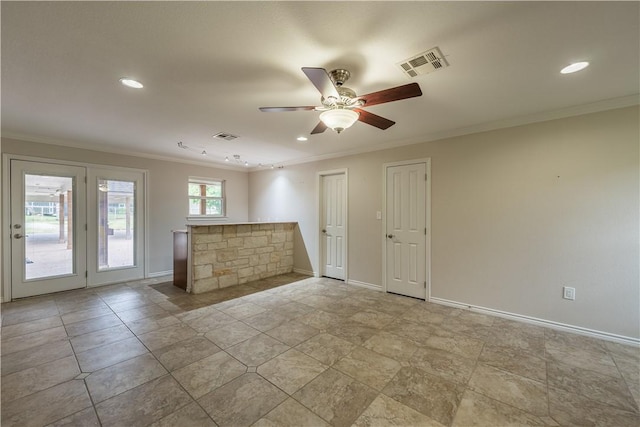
x=48, y=226
x=116, y=222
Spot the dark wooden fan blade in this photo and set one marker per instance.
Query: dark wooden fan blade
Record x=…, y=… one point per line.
x=280, y=109
x=374, y=119
x=410, y=90
x=320, y=127
x=321, y=80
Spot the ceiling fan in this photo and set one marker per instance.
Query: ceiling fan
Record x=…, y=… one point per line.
x=341, y=107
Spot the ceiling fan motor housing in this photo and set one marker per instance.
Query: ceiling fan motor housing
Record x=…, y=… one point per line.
x=347, y=99
x=339, y=76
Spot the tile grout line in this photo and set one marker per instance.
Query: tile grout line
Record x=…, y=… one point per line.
x=149, y=351
x=320, y=331
x=546, y=377
x=626, y=382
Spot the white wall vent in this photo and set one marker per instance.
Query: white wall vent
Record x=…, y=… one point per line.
x=225, y=136
x=424, y=63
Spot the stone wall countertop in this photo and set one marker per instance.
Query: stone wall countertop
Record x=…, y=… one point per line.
x=223, y=255
x=208, y=224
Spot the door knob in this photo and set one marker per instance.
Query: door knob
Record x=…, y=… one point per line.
x=18, y=236
x=390, y=236
x=324, y=231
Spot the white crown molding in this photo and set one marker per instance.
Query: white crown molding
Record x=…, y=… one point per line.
x=123, y=152
x=594, y=107
x=576, y=110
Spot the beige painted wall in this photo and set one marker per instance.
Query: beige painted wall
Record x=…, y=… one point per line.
x=167, y=190
x=517, y=214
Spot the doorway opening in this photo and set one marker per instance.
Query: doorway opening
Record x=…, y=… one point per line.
x=71, y=226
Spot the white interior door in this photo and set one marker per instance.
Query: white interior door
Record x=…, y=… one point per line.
x=406, y=260
x=48, y=220
x=116, y=225
x=333, y=224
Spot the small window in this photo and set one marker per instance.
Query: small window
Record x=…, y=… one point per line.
x=206, y=197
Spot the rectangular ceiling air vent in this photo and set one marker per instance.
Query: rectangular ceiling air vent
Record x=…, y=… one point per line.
x=424, y=63
x=225, y=136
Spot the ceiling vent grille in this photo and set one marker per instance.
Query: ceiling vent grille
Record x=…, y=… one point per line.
x=424, y=63
x=225, y=136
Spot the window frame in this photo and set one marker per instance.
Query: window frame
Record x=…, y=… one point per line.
x=203, y=198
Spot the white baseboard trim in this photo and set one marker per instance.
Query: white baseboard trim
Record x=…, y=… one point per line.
x=305, y=272
x=540, y=322
x=159, y=273
x=364, y=285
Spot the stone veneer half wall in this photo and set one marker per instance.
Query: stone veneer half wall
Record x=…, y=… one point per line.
x=227, y=255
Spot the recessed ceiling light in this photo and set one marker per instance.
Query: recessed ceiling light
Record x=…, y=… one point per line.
x=576, y=66
x=302, y=138
x=131, y=83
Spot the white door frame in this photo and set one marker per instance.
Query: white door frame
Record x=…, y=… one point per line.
x=75, y=236
x=6, y=211
x=320, y=193
x=427, y=220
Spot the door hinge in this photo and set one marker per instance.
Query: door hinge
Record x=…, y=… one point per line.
x=425, y=231
x=86, y=274
x=425, y=284
x=425, y=176
x=85, y=179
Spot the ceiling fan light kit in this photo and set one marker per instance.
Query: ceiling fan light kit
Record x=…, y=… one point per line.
x=339, y=119
x=341, y=107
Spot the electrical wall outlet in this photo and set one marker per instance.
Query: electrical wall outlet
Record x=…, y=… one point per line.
x=569, y=293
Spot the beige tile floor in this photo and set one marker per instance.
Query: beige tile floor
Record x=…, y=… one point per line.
x=297, y=351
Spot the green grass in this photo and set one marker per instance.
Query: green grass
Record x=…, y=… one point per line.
x=41, y=224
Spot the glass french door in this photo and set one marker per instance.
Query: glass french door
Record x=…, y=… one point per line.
x=116, y=224
x=48, y=236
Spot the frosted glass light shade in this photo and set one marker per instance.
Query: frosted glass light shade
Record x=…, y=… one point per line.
x=339, y=119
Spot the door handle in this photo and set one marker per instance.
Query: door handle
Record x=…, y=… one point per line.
x=390, y=236
x=18, y=236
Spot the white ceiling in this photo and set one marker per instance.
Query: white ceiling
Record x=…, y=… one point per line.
x=208, y=66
